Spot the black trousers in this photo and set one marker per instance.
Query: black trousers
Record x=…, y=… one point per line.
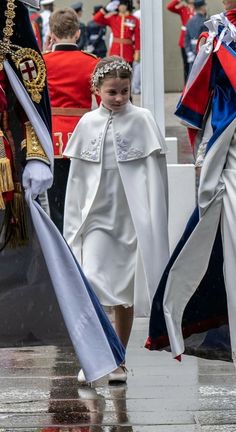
x=185, y=64
x=56, y=195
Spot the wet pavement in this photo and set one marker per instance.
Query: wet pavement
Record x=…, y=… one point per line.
x=40, y=392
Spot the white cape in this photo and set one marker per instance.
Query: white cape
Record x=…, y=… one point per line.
x=216, y=191
x=140, y=151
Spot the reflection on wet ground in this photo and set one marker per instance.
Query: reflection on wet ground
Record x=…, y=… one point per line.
x=40, y=393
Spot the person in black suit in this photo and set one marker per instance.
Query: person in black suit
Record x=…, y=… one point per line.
x=96, y=36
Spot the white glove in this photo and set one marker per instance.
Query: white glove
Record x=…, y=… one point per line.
x=37, y=177
x=190, y=57
x=112, y=6
x=90, y=48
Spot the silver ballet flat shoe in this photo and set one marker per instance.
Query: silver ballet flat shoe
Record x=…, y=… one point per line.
x=81, y=377
x=118, y=375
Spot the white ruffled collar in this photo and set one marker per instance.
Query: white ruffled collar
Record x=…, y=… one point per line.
x=227, y=35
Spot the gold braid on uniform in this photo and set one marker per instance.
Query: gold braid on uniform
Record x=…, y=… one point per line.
x=36, y=74
x=13, y=231
x=14, y=228
x=7, y=31
x=6, y=181
x=34, y=150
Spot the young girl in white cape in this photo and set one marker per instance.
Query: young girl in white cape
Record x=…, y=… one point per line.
x=116, y=200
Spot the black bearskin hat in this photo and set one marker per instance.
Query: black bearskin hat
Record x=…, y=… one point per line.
x=128, y=3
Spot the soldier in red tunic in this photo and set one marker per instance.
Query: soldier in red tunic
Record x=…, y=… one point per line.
x=185, y=10
x=125, y=29
x=37, y=24
x=68, y=71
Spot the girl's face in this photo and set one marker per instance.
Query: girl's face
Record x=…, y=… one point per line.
x=115, y=93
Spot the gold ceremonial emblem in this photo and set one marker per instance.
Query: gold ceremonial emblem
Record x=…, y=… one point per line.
x=28, y=61
x=35, y=82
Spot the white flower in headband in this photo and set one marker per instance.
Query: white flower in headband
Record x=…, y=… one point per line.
x=103, y=70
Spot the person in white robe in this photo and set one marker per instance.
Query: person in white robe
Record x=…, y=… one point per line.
x=116, y=200
x=197, y=292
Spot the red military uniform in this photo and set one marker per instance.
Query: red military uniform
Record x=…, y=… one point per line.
x=37, y=25
x=68, y=74
x=126, y=33
x=185, y=14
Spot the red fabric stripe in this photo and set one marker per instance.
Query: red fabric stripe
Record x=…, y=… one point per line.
x=162, y=342
x=197, y=97
x=192, y=134
x=179, y=358
x=228, y=63
x=231, y=15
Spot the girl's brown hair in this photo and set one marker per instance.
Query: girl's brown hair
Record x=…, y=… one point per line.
x=110, y=67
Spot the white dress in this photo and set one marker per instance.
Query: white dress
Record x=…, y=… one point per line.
x=109, y=241
x=115, y=219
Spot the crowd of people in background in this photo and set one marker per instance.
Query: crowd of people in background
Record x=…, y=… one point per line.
x=125, y=40
x=121, y=17
x=193, y=14
x=123, y=20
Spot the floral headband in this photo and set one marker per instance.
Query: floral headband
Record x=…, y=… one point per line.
x=103, y=70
